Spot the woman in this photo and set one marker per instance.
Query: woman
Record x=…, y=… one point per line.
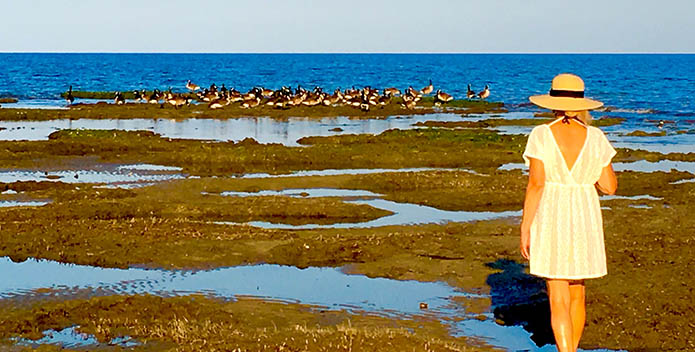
x=562, y=229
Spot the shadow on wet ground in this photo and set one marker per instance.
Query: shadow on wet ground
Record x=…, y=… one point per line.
x=520, y=299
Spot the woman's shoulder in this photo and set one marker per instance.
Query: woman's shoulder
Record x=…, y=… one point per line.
x=596, y=131
x=540, y=128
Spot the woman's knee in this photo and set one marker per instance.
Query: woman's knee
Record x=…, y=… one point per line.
x=577, y=292
x=559, y=293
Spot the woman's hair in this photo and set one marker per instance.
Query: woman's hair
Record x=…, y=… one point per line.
x=583, y=115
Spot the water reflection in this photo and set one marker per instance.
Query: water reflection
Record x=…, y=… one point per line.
x=403, y=213
x=262, y=129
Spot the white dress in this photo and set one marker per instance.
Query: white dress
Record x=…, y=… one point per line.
x=567, y=230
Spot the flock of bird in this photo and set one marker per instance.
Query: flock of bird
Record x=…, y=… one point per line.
x=287, y=97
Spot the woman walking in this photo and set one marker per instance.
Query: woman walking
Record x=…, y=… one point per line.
x=562, y=228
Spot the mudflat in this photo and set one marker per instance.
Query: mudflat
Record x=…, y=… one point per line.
x=196, y=222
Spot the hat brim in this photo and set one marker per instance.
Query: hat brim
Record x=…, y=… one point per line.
x=565, y=103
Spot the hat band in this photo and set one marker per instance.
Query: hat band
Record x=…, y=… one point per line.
x=566, y=93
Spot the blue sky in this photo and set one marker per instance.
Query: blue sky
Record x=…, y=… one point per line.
x=347, y=26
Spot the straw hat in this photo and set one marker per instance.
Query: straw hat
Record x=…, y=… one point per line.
x=566, y=94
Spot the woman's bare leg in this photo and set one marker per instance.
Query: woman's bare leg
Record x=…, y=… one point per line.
x=577, y=310
x=560, y=317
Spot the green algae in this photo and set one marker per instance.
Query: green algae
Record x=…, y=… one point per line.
x=8, y=100
x=475, y=149
x=640, y=133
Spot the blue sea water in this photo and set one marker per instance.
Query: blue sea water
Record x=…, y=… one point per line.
x=634, y=82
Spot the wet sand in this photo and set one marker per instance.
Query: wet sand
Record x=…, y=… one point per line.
x=171, y=224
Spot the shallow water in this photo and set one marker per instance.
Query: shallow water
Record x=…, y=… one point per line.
x=124, y=176
x=662, y=165
x=403, y=213
x=322, y=286
x=327, y=287
x=12, y=203
x=639, y=166
x=617, y=134
x=70, y=338
x=262, y=129
x=646, y=196
x=268, y=130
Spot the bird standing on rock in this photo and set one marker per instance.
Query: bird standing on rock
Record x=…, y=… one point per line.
x=427, y=90
x=442, y=97
x=69, y=98
x=119, y=99
x=470, y=94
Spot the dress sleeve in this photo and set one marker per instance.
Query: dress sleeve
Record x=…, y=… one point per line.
x=606, y=150
x=534, y=146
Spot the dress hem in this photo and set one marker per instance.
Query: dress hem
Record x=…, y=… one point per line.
x=578, y=277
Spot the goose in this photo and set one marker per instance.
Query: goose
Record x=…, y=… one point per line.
x=154, y=97
x=351, y=93
x=209, y=96
x=384, y=100
x=413, y=92
x=191, y=86
x=267, y=93
x=333, y=99
x=392, y=91
x=355, y=102
x=234, y=95
x=443, y=97
x=139, y=96
x=223, y=89
x=427, y=90
x=409, y=104
x=251, y=103
x=470, y=94
x=282, y=102
x=296, y=100
x=69, y=98
x=485, y=93
x=119, y=99
x=312, y=100
x=410, y=96
x=177, y=101
x=218, y=103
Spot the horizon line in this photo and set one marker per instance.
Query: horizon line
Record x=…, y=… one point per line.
x=364, y=52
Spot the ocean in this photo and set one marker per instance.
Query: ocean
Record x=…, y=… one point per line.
x=644, y=88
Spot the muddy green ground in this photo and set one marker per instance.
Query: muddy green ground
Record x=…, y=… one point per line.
x=199, y=323
x=644, y=302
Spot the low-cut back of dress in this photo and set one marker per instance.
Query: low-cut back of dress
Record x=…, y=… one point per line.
x=567, y=230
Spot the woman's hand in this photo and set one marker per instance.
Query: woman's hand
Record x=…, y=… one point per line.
x=525, y=242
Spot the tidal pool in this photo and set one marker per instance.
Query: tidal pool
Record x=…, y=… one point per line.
x=403, y=213
x=70, y=338
x=13, y=203
x=328, y=287
x=262, y=129
x=122, y=175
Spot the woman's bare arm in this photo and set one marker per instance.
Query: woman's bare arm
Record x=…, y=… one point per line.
x=534, y=190
x=607, y=183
